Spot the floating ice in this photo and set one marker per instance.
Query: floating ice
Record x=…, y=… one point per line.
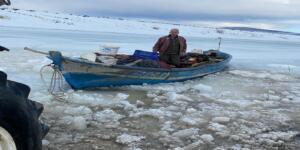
x=157, y=113
x=261, y=75
x=185, y=133
x=207, y=138
x=173, y=96
x=275, y=136
x=45, y=142
x=79, y=123
x=234, y=137
x=83, y=98
x=193, y=146
x=88, y=99
x=108, y=118
x=139, y=103
x=76, y=123
x=273, y=97
x=121, y=96
x=78, y=111
x=221, y=119
x=217, y=127
x=239, y=103
x=203, y=88
x=41, y=97
x=129, y=139
x=3, y=69
x=193, y=119
x=282, y=66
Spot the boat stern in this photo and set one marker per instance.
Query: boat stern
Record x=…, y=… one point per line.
x=57, y=58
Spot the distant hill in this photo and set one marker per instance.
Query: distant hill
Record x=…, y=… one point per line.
x=261, y=30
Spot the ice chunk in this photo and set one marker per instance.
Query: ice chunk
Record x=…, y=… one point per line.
x=167, y=126
x=207, y=138
x=41, y=97
x=203, y=88
x=234, y=137
x=79, y=111
x=261, y=75
x=193, y=117
x=221, y=119
x=126, y=105
x=128, y=139
x=108, y=118
x=191, y=110
x=86, y=99
x=193, y=121
x=139, y=103
x=45, y=142
x=3, y=69
x=282, y=66
x=173, y=96
x=240, y=102
x=274, y=97
x=271, y=92
x=285, y=93
x=157, y=113
x=121, y=96
x=186, y=133
x=284, y=136
x=79, y=123
x=193, y=146
x=217, y=127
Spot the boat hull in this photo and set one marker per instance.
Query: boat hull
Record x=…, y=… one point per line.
x=84, y=74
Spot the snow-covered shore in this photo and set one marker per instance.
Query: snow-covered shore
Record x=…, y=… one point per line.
x=49, y=20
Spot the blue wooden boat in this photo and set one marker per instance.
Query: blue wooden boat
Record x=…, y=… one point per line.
x=83, y=74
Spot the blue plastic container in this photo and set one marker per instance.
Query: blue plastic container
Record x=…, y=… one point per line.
x=146, y=55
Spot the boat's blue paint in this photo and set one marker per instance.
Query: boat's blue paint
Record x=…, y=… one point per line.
x=81, y=78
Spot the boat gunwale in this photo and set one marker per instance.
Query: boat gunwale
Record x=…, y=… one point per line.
x=226, y=60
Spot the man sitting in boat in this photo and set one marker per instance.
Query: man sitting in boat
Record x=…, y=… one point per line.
x=171, y=48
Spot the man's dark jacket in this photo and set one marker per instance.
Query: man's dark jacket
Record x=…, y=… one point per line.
x=163, y=43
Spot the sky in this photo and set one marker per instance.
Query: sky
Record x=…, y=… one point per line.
x=267, y=14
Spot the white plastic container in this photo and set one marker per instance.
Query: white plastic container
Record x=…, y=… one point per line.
x=89, y=56
x=109, y=49
x=108, y=60
x=198, y=51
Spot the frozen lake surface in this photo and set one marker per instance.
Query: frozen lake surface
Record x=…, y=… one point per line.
x=252, y=105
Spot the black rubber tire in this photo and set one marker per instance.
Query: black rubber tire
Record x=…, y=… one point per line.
x=20, y=116
x=3, y=48
x=7, y=2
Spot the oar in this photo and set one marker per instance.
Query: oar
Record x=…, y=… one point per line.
x=35, y=51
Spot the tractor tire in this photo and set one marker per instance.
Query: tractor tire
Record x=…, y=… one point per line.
x=7, y=2
x=19, y=116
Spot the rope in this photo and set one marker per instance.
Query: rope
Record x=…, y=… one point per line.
x=56, y=86
x=220, y=42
